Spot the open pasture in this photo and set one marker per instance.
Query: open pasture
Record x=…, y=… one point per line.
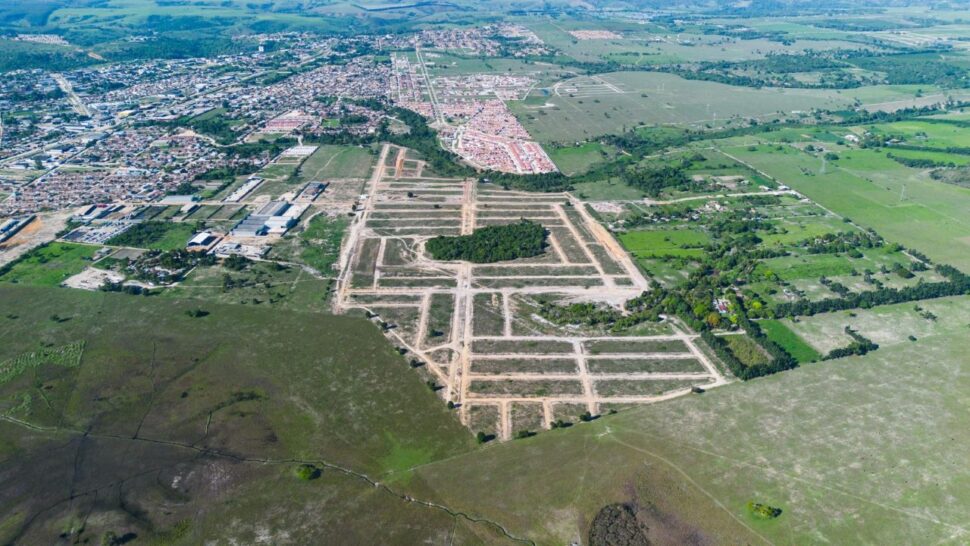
x=619, y=101
x=902, y=204
x=332, y=161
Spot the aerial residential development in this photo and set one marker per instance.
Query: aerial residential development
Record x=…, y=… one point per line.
x=548, y=273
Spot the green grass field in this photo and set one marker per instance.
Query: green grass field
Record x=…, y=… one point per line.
x=173, y=405
x=681, y=243
x=655, y=98
x=578, y=159
x=789, y=341
x=331, y=161
x=606, y=190
x=261, y=285
x=930, y=135
x=889, y=325
x=50, y=265
x=323, y=236
x=746, y=350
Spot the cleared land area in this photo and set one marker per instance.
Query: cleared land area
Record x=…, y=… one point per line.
x=481, y=351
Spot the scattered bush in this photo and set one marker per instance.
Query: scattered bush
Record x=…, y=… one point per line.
x=307, y=472
x=763, y=510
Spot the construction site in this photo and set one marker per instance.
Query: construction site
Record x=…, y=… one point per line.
x=474, y=328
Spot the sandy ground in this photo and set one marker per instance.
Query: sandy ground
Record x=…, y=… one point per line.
x=42, y=230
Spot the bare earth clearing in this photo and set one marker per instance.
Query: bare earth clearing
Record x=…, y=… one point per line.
x=454, y=315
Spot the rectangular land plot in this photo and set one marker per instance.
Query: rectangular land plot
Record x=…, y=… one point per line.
x=570, y=247
x=484, y=418
x=525, y=282
x=517, y=346
x=398, y=252
x=526, y=417
x=481, y=365
x=644, y=365
x=405, y=282
x=403, y=319
x=440, y=313
x=612, y=346
x=626, y=387
x=488, y=318
x=568, y=412
x=609, y=265
x=538, y=270
x=538, y=388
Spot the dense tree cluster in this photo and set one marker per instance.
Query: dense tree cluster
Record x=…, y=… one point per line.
x=654, y=180
x=922, y=68
x=920, y=162
x=836, y=243
x=617, y=524
x=489, y=244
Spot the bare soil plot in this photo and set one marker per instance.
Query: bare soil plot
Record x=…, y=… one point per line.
x=614, y=346
x=624, y=387
x=511, y=365
x=531, y=388
x=521, y=346
x=644, y=365
x=440, y=309
x=484, y=418
x=568, y=412
x=526, y=417
x=488, y=318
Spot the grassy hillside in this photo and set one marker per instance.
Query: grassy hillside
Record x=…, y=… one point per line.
x=126, y=414
x=863, y=450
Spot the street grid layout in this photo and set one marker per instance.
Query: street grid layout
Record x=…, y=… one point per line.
x=475, y=326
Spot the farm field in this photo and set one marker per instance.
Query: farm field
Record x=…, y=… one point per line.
x=930, y=135
x=781, y=334
x=888, y=325
x=578, y=159
x=156, y=236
